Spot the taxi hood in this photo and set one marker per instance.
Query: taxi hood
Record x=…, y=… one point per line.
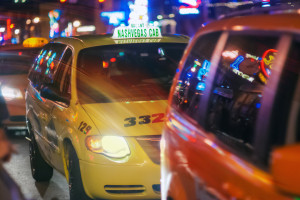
x=136, y=118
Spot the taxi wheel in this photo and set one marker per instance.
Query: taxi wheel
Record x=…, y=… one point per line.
x=76, y=188
x=40, y=170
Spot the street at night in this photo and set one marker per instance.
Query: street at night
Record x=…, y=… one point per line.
x=19, y=169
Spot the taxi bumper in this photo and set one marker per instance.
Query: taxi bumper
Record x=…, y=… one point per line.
x=121, y=181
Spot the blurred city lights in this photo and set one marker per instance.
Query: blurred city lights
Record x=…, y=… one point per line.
x=156, y=23
x=17, y=31
x=28, y=21
x=36, y=20
x=86, y=28
x=115, y=17
x=187, y=11
x=138, y=12
x=171, y=15
x=76, y=23
x=2, y=29
x=159, y=17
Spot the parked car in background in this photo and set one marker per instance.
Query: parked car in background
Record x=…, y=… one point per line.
x=232, y=128
x=15, y=62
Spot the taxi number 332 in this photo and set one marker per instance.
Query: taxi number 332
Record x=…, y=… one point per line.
x=145, y=119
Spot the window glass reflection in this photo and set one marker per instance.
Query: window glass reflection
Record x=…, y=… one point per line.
x=192, y=81
x=244, y=70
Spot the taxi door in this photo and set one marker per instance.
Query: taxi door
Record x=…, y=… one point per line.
x=58, y=121
x=47, y=64
x=40, y=106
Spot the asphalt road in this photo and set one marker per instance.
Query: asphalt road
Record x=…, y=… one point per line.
x=19, y=169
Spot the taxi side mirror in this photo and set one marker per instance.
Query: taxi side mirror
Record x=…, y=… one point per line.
x=53, y=95
x=285, y=168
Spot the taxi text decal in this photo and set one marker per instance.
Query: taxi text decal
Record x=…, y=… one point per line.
x=84, y=127
x=145, y=119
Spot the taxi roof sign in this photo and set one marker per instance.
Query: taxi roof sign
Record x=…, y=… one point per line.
x=35, y=42
x=136, y=31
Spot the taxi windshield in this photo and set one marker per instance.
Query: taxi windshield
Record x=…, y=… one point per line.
x=127, y=72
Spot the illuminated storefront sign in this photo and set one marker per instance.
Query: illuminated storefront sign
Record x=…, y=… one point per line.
x=138, y=12
x=245, y=76
x=189, y=7
x=237, y=62
x=54, y=16
x=136, y=31
x=266, y=64
x=267, y=61
x=89, y=28
x=230, y=54
x=114, y=18
x=188, y=11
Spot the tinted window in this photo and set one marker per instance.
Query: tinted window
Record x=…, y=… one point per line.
x=46, y=65
x=62, y=76
x=191, y=82
x=243, y=71
x=283, y=100
x=127, y=72
x=52, y=60
x=36, y=73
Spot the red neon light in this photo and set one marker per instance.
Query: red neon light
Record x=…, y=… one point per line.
x=113, y=60
x=8, y=23
x=105, y=64
x=42, y=60
x=263, y=69
x=20, y=53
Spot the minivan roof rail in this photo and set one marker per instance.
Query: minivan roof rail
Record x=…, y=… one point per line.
x=282, y=9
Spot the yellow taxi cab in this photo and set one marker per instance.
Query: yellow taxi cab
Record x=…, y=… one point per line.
x=232, y=128
x=15, y=62
x=95, y=107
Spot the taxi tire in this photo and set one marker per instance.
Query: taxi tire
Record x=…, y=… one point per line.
x=40, y=169
x=76, y=188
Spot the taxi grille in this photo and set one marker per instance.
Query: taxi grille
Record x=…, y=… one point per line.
x=151, y=145
x=124, y=189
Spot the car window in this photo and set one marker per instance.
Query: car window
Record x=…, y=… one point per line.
x=191, y=82
x=127, y=72
x=283, y=100
x=46, y=65
x=242, y=74
x=36, y=74
x=62, y=76
x=52, y=61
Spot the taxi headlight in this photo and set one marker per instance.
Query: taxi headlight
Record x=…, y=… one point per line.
x=111, y=146
x=11, y=93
